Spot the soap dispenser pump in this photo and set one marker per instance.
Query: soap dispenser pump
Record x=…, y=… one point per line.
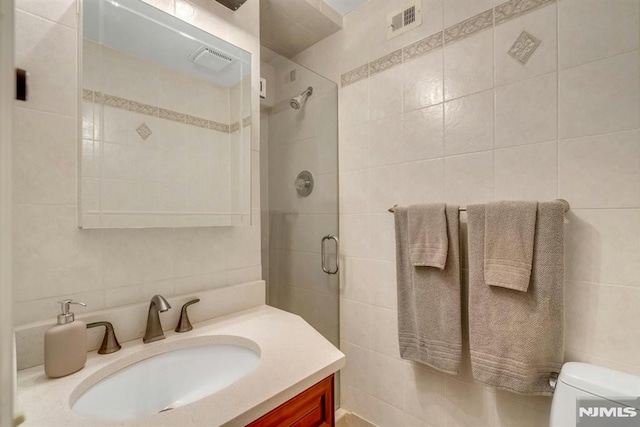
x=65, y=344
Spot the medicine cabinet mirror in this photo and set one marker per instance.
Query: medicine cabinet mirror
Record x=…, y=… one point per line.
x=166, y=121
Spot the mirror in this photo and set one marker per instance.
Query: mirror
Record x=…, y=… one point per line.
x=166, y=121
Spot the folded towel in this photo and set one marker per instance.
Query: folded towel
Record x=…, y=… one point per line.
x=428, y=241
x=508, y=244
x=516, y=338
x=429, y=326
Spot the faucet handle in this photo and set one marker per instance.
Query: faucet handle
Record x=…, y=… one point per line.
x=110, y=343
x=184, y=325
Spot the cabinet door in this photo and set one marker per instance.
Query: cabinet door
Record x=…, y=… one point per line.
x=311, y=408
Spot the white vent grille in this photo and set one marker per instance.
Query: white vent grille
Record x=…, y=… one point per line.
x=211, y=59
x=403, y=20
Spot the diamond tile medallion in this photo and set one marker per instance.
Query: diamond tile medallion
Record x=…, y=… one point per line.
x=524, y=47
x=144, y=131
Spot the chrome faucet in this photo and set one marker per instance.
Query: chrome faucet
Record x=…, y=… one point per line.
x=154, y=327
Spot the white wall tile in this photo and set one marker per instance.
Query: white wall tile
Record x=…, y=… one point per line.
x=603, y=246
x=528, y=172
x=386, y=141
x=356, y=323
x=468, y=124
x=420, y=182
x=542, y=24
x=600, y=171
x=384, y=339
x=385, y=385
x=599, y=97
x=468, y=178
x=384, y=182
x=59, y=11
x=423, y=80
x=40, y=141
x=458, y=10
x=354, y=147
x=526, y=112
x=423, y=133
x=48, y=52
x=385, y=93
x=354, y=104
x=604, y=30
x=473, y=53
x=424, y=394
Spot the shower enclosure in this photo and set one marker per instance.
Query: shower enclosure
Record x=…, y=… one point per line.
x=299, y=188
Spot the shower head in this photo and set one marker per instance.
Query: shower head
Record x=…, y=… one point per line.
x=298, y=101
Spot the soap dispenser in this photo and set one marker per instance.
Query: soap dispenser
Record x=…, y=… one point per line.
x=65, y=344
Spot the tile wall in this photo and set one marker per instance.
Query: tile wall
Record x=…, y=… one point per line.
x=297, y=140
x=52, y=258
x=529, y=99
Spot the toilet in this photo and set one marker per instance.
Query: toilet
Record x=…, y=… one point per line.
x=598, y=384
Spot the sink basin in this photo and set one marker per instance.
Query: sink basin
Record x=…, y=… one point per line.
x=166, y=381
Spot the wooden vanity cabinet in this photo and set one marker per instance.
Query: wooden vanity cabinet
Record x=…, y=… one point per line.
x=313, y=407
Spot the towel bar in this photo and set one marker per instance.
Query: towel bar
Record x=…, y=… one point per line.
x=566, y=204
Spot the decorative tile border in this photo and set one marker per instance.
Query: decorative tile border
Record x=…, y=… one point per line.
x=469, y=27
x=423, y=46
x=489, y=18
x=355, y=75
x=162, y=113
x=516, y=8
x=386, y=62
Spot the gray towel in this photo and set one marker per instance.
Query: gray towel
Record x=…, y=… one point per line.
x=428, y=242
x=516, y=338
x=508, y=244
x=429, y=326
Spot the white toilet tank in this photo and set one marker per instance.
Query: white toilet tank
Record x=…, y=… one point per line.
x=584, y=381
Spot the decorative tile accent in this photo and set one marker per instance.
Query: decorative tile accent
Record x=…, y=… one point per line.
x=163, y=113
x=423, y=46
x=234, y=127
x=144, y=131
x=196, y=121
x=515, y=8
x=115, y=102
x=524, y=47
x=87, y=94
x=471, y=26
x=137, y=107
x=220, y=127
x=171, y=115
x=354, y=75
x=246, y=121
x=386, y=62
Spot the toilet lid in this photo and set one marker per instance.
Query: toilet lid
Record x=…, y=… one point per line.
x=602, y=382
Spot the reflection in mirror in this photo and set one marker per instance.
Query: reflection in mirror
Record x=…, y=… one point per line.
x=166, y=138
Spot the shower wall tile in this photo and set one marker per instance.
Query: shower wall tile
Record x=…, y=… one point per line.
x=419, y=181
x=600, y=171
x=354, y=148
x=612, y=30
x=600, y=97
x=459, y=10
x=59, y=11
x=355, y=99
x=526, y=112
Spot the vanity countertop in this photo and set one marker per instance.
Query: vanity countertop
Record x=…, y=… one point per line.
x=293, y=357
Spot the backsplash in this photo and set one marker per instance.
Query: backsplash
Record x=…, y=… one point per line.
x=486, y=101
x=52, y=258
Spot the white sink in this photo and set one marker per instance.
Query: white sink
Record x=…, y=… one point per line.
x=166, y=381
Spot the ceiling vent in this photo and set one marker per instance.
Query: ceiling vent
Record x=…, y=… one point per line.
x=210, y=59
x=403, y=20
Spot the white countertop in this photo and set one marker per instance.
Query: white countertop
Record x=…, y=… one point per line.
x=293, y=357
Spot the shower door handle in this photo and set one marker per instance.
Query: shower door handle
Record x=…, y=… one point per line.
x=322, y=254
